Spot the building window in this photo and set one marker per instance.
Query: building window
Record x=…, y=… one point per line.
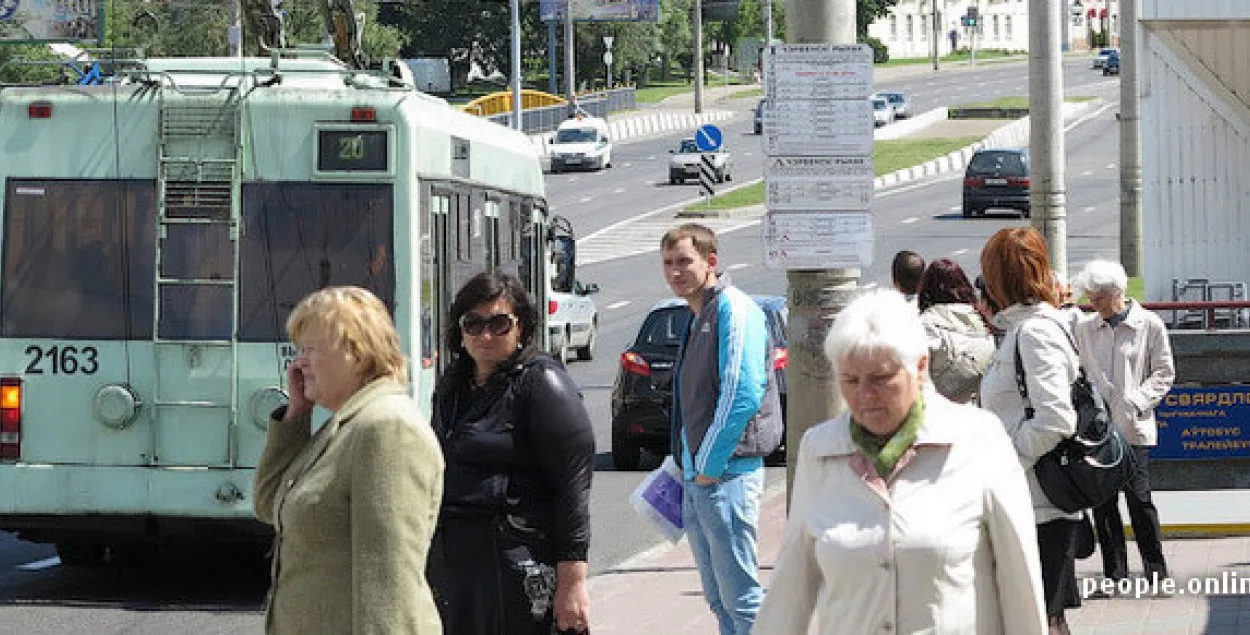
x=996, y=34
x=911, y=28
x=893, y=27
x=1007, y=26
x=924, y=27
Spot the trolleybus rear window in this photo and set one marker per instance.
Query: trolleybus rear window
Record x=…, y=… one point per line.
x=79, y=259
x=300, y=237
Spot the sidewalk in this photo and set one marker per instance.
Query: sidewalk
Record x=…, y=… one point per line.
x=659, y=593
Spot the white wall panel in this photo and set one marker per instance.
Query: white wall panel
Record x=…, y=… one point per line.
x=1195, y=9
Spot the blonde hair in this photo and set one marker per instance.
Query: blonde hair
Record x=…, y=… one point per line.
x=357, y=321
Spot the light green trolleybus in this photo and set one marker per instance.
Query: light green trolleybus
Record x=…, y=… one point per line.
x=156, y=233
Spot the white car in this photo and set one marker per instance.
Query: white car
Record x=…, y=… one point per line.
x=581, y=142
x=684, y=164
x=882, y=111
x=572, y=318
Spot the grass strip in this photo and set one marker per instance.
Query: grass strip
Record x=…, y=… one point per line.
x=961, y=56
x=888, y=156
x=1017, y=102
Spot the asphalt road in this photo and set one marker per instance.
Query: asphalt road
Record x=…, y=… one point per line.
x=223, y=593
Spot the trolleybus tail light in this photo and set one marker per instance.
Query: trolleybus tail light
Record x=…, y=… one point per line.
x=10, y=418
x=635, y=364
x=365, y=114
x=40, y=110
x=553, y=306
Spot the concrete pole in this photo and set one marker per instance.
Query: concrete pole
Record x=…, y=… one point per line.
x=698, y=56
x=815, y=296
x=516, y=64
x=234, y=32
x=937, y=33
x=570, y=88
x=552, y=65
x=1046, y=145
x=768, y=22
x=1066, y=11
x=1130, y=142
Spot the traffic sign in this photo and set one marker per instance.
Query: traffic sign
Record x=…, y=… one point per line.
x=709, y=138
x=818, y=71
x=607, y=57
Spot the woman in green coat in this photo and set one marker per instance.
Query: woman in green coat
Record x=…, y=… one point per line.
x=355, y=504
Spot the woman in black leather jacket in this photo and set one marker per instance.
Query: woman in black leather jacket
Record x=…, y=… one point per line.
x=509, y=554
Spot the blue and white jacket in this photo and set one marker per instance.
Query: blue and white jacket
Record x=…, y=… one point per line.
x=719, y=384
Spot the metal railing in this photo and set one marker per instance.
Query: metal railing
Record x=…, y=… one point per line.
x=597, y=104
x=1214, y=315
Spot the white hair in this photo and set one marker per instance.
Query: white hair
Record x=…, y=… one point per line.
x=879, y=320
x=1103, y=276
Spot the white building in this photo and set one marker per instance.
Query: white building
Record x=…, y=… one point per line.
x=1003, y=24
x=1194, y=86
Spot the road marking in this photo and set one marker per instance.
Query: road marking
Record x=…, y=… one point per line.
x=619, y=190
x=627, y=165
x=651, y=158
x=39, y=565
x=617, y=305
x=909, y=220
x=740, y=265
x=956, y=208
x=1088, y=173
x=1088, y=209
x=1110, y=166
x=585, y=199
x=959, y=252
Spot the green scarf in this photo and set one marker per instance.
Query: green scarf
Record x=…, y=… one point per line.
x=884, y=452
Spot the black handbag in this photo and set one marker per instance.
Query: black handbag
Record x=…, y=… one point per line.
x=1090, y=467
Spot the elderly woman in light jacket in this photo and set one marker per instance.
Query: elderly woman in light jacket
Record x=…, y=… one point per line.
x=1016, y=270
x=909, y=513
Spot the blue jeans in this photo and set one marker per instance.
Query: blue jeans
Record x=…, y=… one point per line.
x=721, y=522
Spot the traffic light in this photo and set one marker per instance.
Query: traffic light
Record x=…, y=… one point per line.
x=973, y=15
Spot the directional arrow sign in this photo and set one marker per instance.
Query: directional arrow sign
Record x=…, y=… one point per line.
x=709, y=138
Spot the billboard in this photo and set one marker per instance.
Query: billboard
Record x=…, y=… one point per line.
x=597, y=10
x=720, y=10
x=49, y=20
x=1204, y=422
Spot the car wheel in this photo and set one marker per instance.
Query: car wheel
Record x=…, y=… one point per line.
x=626, y=455
x=1025, y=213
x=562, y=353
x=720, y=176
x=729, y=176
x=80, y=554
x=587, y=352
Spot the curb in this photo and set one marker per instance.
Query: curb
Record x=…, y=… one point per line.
x=1013, y=134
x=644, y=125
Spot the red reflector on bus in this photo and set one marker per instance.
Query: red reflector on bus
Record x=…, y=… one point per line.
x=10, y=396
x=10, y=418
x=362, y=113
x=40, y=110
x=10, y=422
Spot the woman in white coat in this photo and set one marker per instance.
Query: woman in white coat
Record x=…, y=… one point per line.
x=1016, y=270
x=909, y=513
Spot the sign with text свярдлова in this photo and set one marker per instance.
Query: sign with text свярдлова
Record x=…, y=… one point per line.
x=1204, y=422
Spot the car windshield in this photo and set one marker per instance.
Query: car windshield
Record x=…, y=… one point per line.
x=998, y=162
x=664, y=327
x=895, y=98
x=879, y=104
x=576, y=135
x=1106, y=51
x=688, y=146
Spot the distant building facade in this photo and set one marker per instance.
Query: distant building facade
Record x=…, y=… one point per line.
x=909, y=31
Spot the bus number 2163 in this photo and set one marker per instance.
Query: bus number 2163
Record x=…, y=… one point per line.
x=61, y=360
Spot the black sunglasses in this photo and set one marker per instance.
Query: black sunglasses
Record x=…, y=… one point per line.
x=498, y=325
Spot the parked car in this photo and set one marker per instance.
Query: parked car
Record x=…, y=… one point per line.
x=997, y=177
x=882, y=111
x=684, y=164
x=1112, y=65
x=759, y=117
x=898, y=101
x=642, y=395
x=1100, y=57
x=581, y=142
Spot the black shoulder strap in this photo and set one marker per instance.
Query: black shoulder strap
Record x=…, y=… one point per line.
x=1021, y=385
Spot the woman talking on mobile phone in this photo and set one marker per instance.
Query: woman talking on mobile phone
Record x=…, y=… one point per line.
x=509, y=556
x=355, y=504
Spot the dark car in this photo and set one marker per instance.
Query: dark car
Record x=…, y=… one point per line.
x=1112, y=65
x=997, y=178
x=642, y=396
x=759, y=117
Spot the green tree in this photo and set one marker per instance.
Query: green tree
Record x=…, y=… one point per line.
x=867, y=12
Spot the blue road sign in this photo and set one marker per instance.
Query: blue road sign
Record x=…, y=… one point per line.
x=709, y=138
